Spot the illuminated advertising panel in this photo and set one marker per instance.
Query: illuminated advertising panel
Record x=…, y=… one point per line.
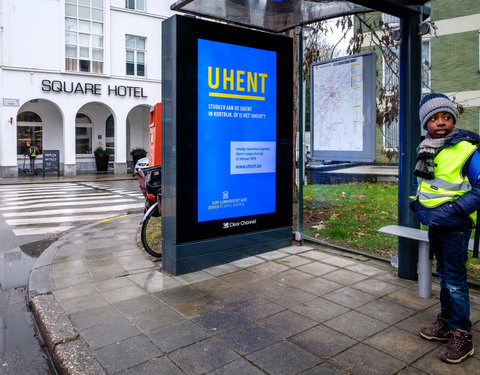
x=227, y=143
x=236, y=131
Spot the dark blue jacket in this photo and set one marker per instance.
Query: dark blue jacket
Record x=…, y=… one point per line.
x=454, y=214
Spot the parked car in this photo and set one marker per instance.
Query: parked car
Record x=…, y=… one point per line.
x=141, y=163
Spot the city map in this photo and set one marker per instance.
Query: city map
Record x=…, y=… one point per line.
x=338, y=106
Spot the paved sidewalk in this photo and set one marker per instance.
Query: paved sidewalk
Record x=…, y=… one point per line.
x=103, y=306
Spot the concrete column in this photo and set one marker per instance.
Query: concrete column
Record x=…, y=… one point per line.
x=69, y=161
x=8, y=146
x=120, y=164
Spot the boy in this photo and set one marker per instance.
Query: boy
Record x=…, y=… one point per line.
x=32, y=154
x=446, y=200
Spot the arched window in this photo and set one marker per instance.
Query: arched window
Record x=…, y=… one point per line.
x=83, y=134
x=110, y=133
x=29, y=129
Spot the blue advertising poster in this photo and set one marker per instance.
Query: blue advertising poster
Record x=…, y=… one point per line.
x=236, y=130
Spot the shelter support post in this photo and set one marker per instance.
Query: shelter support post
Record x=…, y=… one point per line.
x=410, y=91
x=301, y=130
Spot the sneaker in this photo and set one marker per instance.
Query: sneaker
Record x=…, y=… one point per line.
x=458, y=348
x=439, y=331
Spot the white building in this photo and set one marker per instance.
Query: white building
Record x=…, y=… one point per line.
x=76, y=74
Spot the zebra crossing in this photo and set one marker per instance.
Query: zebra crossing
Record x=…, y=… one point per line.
x=44, y=209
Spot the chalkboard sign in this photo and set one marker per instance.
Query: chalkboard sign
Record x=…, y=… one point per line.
x=51, y=161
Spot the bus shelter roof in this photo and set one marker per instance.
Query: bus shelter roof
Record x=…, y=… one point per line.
x=281, y=15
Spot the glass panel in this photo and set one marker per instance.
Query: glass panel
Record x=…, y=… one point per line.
x=70, y=64
x=28, y=117
x=84, y=12
x=70, y=10
x=84, y=52
x=130, y=56
x=140, y=4
x=71, y=1
x=33, y=134
x=97, y=54
x=141, y=70
x=97, y=28
x=97, y=67
x=140, y=57
x=129, y=41
x=97, y=15
x=84, y=66
x=130, y=69
x=84, y=2
x=130, y=4
x=110, y=127
x=84, y=40
x=82, y=118
x=70, y=51
x=84, y=26
x=97, y=41
x=97, y=4
x=140, y=43
x=83, y=140
x=70, y=37
x=71, y=24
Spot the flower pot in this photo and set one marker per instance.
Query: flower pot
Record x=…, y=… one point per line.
x=102, y=162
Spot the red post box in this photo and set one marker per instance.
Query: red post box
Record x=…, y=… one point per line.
x=155, y=144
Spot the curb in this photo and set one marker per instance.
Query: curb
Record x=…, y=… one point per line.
x=69, y=352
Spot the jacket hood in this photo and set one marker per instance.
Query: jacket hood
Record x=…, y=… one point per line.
x=466, y=135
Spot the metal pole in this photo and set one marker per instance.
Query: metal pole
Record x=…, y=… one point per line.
x=299, y=32
x=410, y=89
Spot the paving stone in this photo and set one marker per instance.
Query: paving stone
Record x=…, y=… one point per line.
x=177, y=335
x=196, y=306
x=231, y=297
x=202, y=357
x=140, y=304
x=293, y=261
x=220, y=320
x=386, y=311
x=115, y=283
x=349, y=297
x=365, y=360
x=326, y=368
x=356, y=325
x=155, y=366
x=317, y=268
x=344, y=277
x=414, y=323
x=240, y=277
x=283, y=358
x=319, y=309
x=106, y=334
x=74, y=291
x=238, y=367
x=365, y=269
x=376, y=287
x=211, y=285
x=338, y=261
x=314, y=254
x=286, y=323
x=123, y=294
x=322, y=341
x=256, y=309
x=292, y=276
x=248, y=339
x=178, y=295
x=407, y=297
x=268, y=268
x=155, y=318
x=127, y=353
x=401, y=344
x=317, y=286
x=94, y=317
x=264, y=287
x=289, y=297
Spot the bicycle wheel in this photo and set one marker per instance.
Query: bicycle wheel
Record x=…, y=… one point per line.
x=152, y=233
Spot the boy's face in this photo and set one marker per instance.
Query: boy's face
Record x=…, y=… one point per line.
x=440, y=124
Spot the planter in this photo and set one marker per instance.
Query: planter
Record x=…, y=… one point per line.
x=102, y=162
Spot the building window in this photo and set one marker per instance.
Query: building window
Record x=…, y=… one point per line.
x=135, y=55
x=390, y=69
x=83, y=134
x=135, y=4
x=84, y=35
x=392, y=21
x=29, y=129
x=426, y=66
x=110, y=133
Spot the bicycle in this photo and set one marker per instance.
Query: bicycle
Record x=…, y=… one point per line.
x=149, y=181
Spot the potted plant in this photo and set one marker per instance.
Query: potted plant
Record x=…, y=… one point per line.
x=101, y=157
x=137, y=153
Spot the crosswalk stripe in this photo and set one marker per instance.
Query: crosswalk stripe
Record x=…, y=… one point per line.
x=40, y=230
x=60, y=219
x=68, y=200
x=68, y=203
x=68, y=211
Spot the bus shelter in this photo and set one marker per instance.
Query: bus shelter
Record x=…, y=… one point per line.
x=278, y=16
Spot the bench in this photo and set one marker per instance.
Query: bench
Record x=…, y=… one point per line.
x=424, y=266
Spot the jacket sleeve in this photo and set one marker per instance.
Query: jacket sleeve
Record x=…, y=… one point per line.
x=470, y=201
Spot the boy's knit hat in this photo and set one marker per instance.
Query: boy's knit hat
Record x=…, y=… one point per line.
x=434, y=103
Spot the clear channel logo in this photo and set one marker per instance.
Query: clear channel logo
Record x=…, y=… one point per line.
x=231, y=224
